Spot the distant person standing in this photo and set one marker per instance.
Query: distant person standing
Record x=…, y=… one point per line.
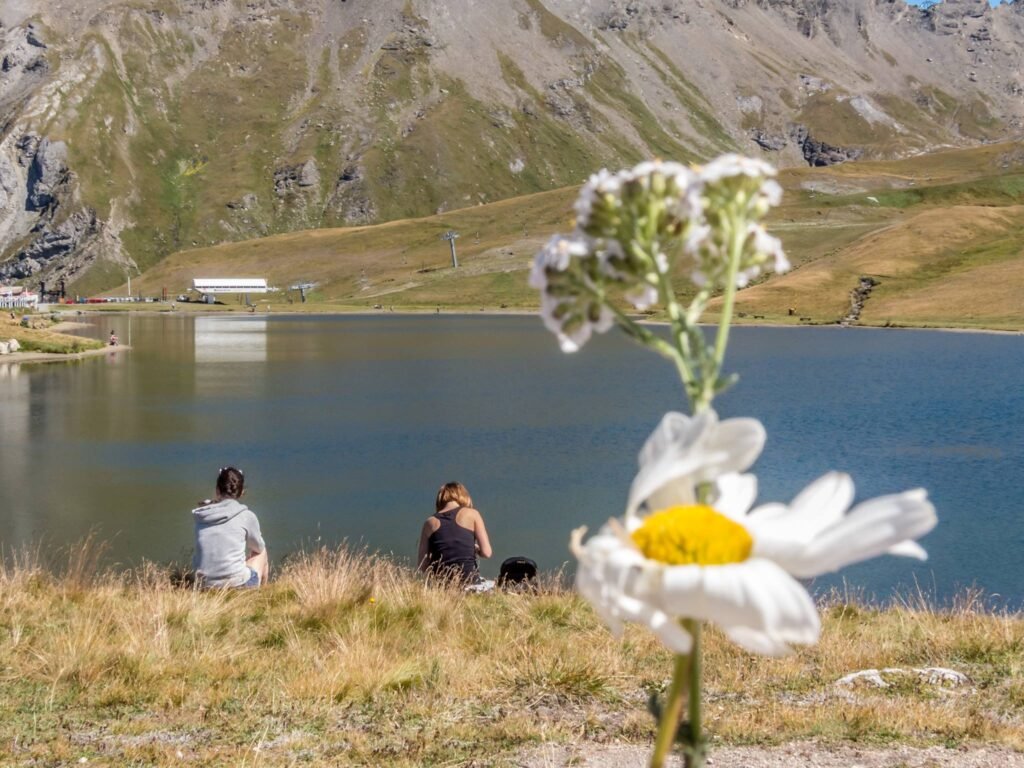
x=453, y=537
x=113, y=339
x=229, y=546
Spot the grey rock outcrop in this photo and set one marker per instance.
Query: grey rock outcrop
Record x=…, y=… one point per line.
x=619, y=17
x=52, y=246
x=10, y=183
x=858, y=296
x=819, y=153
x=750, y=104
x=22, y=60
x=350, y=199
x=247, y=202
x=951, y=17
x=47, y=174
x=633, y=14
x=767, y=141
x=27, y=146
x=32, y=37
x=293, y=178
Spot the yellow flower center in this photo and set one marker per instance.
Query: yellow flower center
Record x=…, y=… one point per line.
x=692, y=535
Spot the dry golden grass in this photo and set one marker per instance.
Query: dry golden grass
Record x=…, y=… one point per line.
x=347, y=658
x=42, y=339
x=955, y=266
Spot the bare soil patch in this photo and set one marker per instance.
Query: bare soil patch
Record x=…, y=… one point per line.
x=808, y=754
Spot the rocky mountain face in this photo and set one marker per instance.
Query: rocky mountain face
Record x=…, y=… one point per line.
x=130, y=129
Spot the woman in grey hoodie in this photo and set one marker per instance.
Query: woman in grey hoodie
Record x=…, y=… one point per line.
x=229, y=546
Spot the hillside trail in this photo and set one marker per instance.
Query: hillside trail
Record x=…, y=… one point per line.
x=796, y=755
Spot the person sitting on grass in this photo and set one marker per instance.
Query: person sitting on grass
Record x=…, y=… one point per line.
x=229, y=546
x=453, y=536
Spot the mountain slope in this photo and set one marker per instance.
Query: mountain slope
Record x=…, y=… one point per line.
x=135, y=129
x=936, y=237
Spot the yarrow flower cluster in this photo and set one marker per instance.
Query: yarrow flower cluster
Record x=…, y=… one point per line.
x=632, y=225
x=604, y=257
x=691, y=546
x=569, y=274
x=736, y=194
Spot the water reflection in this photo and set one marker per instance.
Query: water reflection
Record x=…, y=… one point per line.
x=15, y=444
x=230, y=356
x=230, y=340
x=346, y=426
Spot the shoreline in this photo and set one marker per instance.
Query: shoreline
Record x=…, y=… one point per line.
x=56, y=357
x=326, y=311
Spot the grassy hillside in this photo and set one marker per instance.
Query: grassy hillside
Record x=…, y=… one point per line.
x=941, y=234
x=349, y=659
x=402, y=263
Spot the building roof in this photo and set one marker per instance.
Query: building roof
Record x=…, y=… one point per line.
x=230, y=284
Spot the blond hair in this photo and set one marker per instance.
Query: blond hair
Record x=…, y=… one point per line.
x=452, y=492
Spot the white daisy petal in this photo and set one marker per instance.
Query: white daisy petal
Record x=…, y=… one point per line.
x=757, y=594
x=684, y=452
x=870, y=529
x=818, y=506
x=671, y=634
x=908, y=548
x=739, y=440
x=665, y=493
x=675, y=432
x=758, y=642
x=736, y=494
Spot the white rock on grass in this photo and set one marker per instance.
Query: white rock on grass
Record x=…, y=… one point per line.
x=945, y=678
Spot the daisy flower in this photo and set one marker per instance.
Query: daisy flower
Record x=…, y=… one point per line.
x=692, y=545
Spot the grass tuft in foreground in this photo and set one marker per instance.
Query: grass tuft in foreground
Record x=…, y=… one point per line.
x=348, y=658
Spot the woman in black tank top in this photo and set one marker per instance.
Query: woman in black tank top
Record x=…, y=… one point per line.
x=453, y=537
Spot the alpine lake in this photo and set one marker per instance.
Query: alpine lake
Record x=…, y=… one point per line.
x=345, y=426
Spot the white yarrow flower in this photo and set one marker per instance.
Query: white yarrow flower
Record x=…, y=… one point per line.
x=555, y=256
x=571, y=320
x=601, y=183
x=643, y=297
x=730, y=165
x=772, y=191
x=770, y=247
x=721, y=561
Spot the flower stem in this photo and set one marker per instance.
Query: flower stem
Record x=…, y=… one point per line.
x=681, y=327
x=662, y=347
x=696, y=752
x=669, y=724
x=736, y=239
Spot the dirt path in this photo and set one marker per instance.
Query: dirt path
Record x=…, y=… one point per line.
x=796, y=755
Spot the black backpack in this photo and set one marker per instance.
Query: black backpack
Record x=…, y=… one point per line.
x=518, y=573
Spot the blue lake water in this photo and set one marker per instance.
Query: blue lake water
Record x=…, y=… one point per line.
x=346, y=426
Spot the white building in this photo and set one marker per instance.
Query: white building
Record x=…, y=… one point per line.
x=212, y=285
x=209, y=287
x=16, y=297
